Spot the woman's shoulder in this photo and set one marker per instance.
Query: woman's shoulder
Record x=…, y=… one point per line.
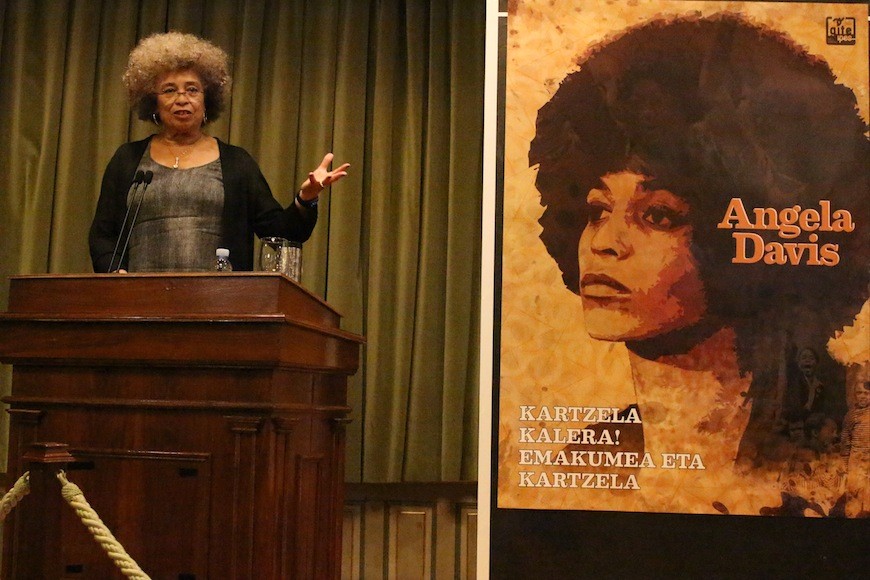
x=133, y=149
x=123, y=163
x=235, y=158
x=232, y=151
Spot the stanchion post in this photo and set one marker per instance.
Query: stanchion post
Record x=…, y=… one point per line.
x=38, y=535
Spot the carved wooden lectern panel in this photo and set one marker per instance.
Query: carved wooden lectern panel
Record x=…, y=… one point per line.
x=205, y=414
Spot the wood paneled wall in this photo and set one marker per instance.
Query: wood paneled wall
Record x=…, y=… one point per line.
x=410, y=531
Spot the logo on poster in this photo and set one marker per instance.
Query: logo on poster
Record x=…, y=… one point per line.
x=840, y=30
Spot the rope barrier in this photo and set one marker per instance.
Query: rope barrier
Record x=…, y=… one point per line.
x=14, y=495
x=75, y=498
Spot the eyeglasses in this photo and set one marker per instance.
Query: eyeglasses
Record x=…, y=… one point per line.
x=173, y=92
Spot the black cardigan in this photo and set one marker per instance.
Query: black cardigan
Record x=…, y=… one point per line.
x=249, y=207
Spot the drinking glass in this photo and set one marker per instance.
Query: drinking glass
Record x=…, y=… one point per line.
x=292, y=261
x=281, y=255
x=272, y=254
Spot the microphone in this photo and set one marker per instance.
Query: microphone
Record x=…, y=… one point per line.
x=140, y=177
x=146, y=179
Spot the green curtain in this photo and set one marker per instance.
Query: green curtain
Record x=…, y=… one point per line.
x=395, y=87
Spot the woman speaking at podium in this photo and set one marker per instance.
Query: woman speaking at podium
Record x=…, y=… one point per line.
x=168, y=201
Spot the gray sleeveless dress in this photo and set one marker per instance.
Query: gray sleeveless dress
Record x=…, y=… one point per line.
x=178, y=226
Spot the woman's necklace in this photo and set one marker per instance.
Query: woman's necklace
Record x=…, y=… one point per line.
x=184, y=152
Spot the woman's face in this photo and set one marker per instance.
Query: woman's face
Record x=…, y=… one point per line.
x=180, y=101
x=638, y=276
x=807, y=361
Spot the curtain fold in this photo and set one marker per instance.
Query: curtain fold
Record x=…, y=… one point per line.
x=395, y=87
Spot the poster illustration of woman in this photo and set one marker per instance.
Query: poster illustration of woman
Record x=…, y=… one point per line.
x=684, y=317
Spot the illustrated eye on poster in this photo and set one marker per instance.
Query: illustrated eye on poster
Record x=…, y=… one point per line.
x=680, y=263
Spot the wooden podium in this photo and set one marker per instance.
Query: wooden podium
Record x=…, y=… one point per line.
x=205, y=414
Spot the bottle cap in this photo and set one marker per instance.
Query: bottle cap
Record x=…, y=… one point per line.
x=222, y=253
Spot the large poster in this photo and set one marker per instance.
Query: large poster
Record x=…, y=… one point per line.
x=683, y=322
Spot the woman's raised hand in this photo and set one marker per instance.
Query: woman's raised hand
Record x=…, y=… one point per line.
x=321, y=178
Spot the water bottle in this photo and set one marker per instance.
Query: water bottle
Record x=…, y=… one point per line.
x=222, y=260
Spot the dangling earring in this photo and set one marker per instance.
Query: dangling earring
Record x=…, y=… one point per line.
x=155, y=119
x=204, y=117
